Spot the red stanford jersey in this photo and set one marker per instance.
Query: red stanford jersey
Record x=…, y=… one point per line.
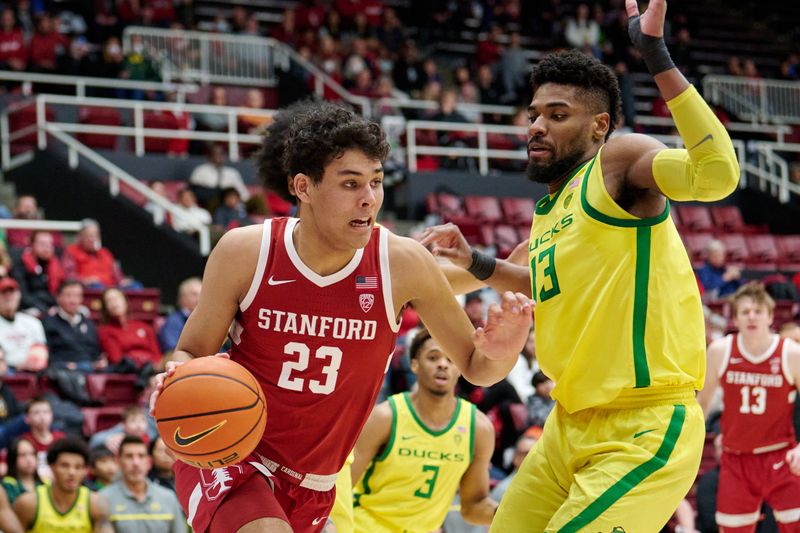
x=319, y=346
x=758, y=393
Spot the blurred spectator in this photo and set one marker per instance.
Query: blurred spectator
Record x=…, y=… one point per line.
x=333, y=25
x=357, y=61
x=188, y=297
x=514, y=70
x=681, y=50
x=22, y=337
x=87, y=261
x=583, y=33
x=734, y=66
x=120, y=337
x=790, y=68
x=287, y=31
x=231, y=213
x=79, y=60
x=188, y=201
x=209, y=179
x=25, y=21
x=39, y=416
x=718, y=279
x=252, y=27
x=39, y=273
x=363, y=85
x=110, y=65
x=13, y=51
x=22, y=475
x=408, y=74
x=238, y=19
x=25, y=208
x=473, y=306
x=46, y=46
x=162, y=472
x=430, y=70
x=541, y=403
x=252, y=123
x=524, y=445
x=521, y=376
x=391, y=33
x=158, y=212
x=138, y=66
x=489, y=50
x=310, y=14
x=214, y=121
x=103, y=468
x=137, y=500
x=106, y=22
x=468, y=94
x=71, y=337
x=134, y=423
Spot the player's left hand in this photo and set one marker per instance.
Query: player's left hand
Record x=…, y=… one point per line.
x=652, y=20
x=507, y=327
x=793, y=460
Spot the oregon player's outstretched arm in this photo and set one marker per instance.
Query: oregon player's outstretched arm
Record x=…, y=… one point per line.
x=707, y=170
x=484, y=356
x=716, y=353
x=793, y=362
x=372, y=440
x=476, y=505
x=100, y=512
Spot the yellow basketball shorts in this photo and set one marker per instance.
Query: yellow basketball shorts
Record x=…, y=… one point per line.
x=342, y=512
x=621, y=468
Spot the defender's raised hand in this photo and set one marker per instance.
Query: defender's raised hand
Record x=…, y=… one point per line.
x=507, y=326
x=647, y=34
x=447, y=241
x=652, y=20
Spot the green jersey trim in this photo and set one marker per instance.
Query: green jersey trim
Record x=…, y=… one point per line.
x=421, y=424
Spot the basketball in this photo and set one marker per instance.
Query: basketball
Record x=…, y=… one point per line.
x=211, y=412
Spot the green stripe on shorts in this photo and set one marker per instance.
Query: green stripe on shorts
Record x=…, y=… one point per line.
x=632, y=478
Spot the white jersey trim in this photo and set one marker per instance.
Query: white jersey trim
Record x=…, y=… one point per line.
x=263, y=255
x=787, y=516
x=737, y=520
x=310, y=275
x=194, y=503
x=386, y=280
x=785, y=362
x=760, y=358
x=727, y=355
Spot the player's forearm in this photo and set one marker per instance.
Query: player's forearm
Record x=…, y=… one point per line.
x=461, y=281
x=485, y=372
x=480, y=512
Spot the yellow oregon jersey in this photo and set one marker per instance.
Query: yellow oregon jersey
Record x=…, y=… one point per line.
x=49, y=520
x=409, y=487
x=617, y=304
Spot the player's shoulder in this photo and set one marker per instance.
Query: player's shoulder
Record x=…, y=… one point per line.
x=406, y=253
x=719, y=346
x=242, y=236
x=482, y=422
x=792, y=348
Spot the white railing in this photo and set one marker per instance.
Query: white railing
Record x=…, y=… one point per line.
x=41, y=225
x=81, y=83
x=139, y=133
x=773, y=171
x=117, y=175
x=777, y=130
x=757, y=100
x=230, y=59
x=395, y=104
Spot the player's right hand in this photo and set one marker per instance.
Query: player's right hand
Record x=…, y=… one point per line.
x=159, y=379
x=447, y=241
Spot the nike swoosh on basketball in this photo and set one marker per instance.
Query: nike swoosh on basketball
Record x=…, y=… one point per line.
x=317, y=521
x=273, y=281
x=191, y=439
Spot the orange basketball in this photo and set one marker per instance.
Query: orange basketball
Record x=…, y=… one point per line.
x=211, y=412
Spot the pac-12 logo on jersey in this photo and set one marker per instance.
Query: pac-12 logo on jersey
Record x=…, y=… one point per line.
x=366, y=301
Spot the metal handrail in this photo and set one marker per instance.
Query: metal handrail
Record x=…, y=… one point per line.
x=778, y=130
x=757, y=100
x=40, y=225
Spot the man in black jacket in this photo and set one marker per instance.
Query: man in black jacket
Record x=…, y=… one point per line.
x=71, y=337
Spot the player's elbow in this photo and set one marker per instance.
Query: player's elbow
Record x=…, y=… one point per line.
x=719, y=178
x=477, y=513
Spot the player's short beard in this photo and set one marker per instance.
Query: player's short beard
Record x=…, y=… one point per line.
x=549, y=172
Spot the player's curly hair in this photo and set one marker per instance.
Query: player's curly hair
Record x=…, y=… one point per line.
x=596, y=81
x=324, y=132
x=269, y=159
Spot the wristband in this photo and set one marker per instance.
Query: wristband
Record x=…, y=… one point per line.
x=482, y=265
x=653, y=49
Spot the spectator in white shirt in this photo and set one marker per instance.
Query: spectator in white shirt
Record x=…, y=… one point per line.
x=188, y=201
x=22, y=336
x=209, y=179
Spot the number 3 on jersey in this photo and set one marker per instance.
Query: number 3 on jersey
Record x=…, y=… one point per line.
x=550, y=287
x=331, y=369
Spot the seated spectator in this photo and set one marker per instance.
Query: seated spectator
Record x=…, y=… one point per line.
x=87, y=261
x=137, y=499
x=232, y=212
x=209, y=179
x=214, y=121
x=71, y=337
x=718, y=279
x=583, y=33
x=13, y=51
x=188, y=201
x=162, y=472
x=188, y=297
x=541, y=403
x=447, y=113
x=46, y=46
x=134, y=423
x=22, y=475
x=120, y=337
x=138, y=66
x=103, y=468
x=79, y=60
x=26, y=208
x=159, y=213
x=39, y=273
x=22, y=337
x=39, y=416
x=524, y=445
x=252, y=123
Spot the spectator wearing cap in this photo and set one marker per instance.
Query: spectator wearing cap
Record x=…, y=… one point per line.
x=22, y=337
x=71, y=337
x=87, y=261
x=541, y=403
x=39, y=273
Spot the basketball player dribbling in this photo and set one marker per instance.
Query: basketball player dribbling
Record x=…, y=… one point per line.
x=759, y=373
x=619, y=323
x=313, y=303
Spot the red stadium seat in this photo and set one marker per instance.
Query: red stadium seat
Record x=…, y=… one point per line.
x=160, y=120
x=135, y=196
x=173, y=188
x=736, y=247
x=99, y=418
x=112, y=389
x=483, y=208
x=764, y=253
x=518, y=211
x=789, y=248
x=469, y=228
x=22, y=385
x=99, y=116
x=22, y=118
x=143, y=304
x=729, y=218
x=506, y=239
x=696, y=217
x=450, y=205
